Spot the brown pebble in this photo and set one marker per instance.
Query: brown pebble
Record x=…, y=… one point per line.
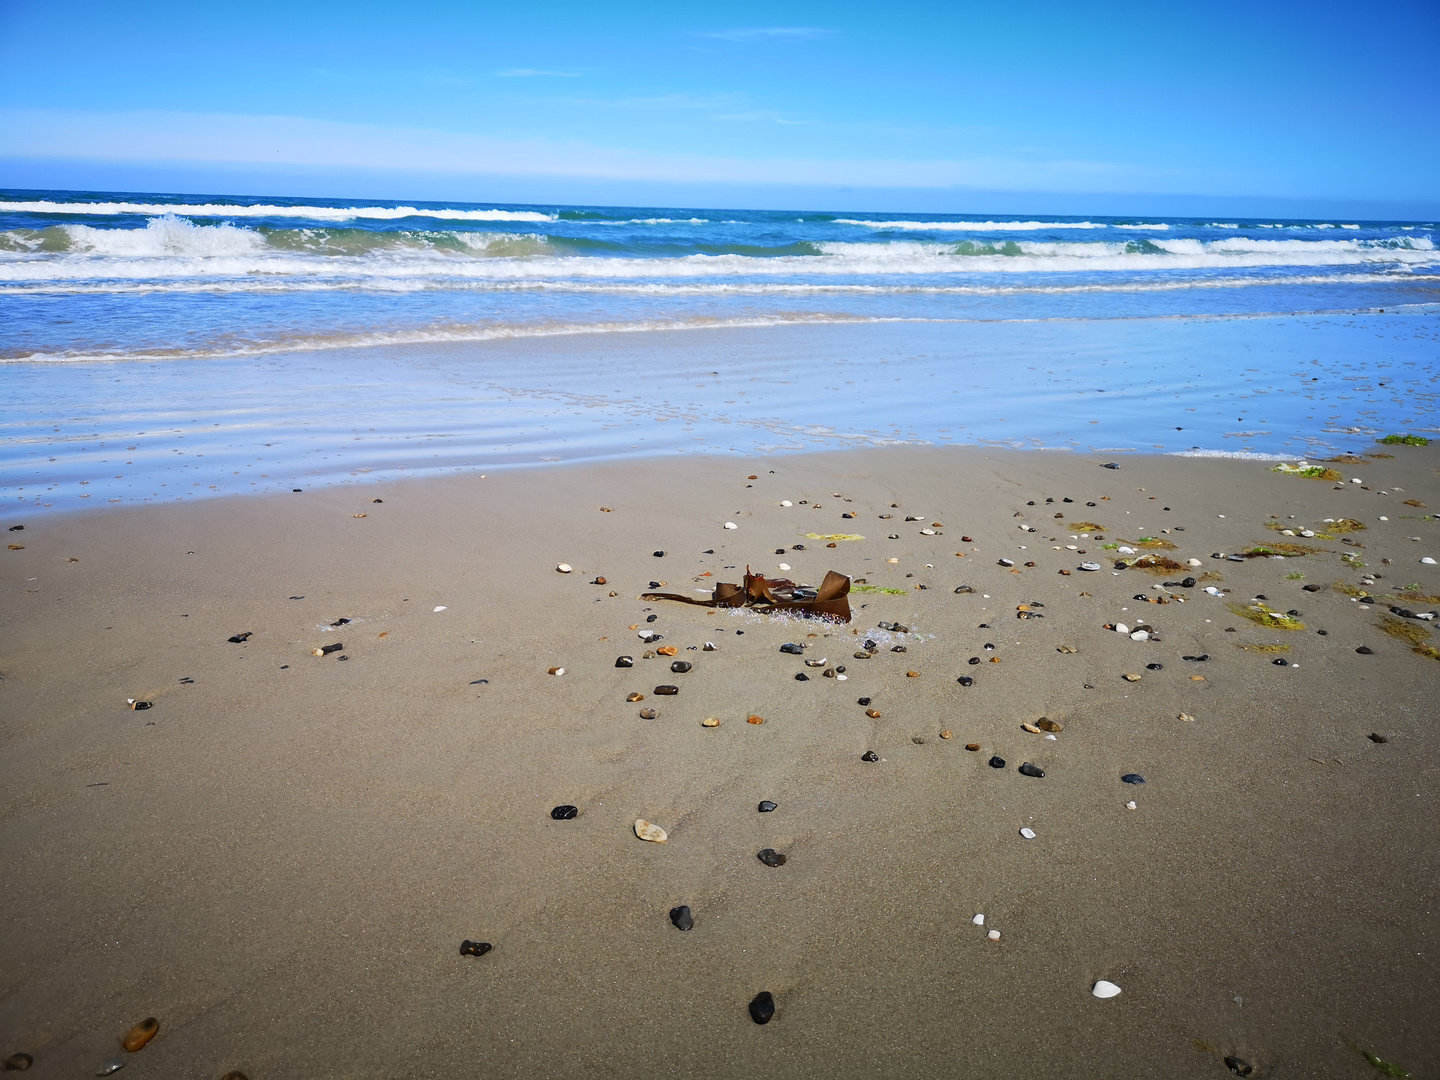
x=667, y=650
x=912, y=674
x=557, y=671
x=635, y=697
x=18, y=1062
x=1046, y=724
x=754, y=719
x=1130, y=677
x=947, y=733
x=873, y=714
x=830, y=545
x=648, y=714
x=1376, y=737
x=599, y=581
x=1197, y=678
x=136, y=1038
x=1066, y=649
x=1064, y=573
x=972, y=746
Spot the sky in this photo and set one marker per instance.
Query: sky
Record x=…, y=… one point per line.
x=1103, y=106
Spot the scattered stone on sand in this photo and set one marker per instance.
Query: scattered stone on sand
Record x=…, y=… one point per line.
x=862, y=701
x=710, y=721
x=557, y=671
x=869, y=755
x=1130, y=676
x=1031, y=770
x=978, y=920
x=1104, y=989
x=762, y=1007
x=1030, y=728
x=972, y=746
x=997, y=762
x=1028, y=833
x=115, y=1064
x=792, y=648
x=1130, y=805
x=599, y=581
x=1239, y=1066
x=1066, y=649
x=474, y=948
x=800, y=676
x=563, y=567
x=140, y=706
x=993, y=935
x=965, y=680
x=680, y=667
x=624, y=661
x=731, y=525
x=648, y=714
x=1052, y=726
x=239, y=638
x=635, y=697
x=667, y=650
x=136, y=1038
x=681, y=917
x=667, y=690
x=18, y=1062
x=766, y=807
x=1365, y=650
x=1376, y=737
x=873, y=714
x=648, y=831
x=947, y=733
x=771, y=857
x=1132, y=778
x=564, y=812
x=753, y=719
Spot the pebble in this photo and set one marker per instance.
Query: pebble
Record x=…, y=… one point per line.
x=862, y=701
x=1279, y=662
x=873, y=714
x=1028, y=833
x=731, y=525
x=972, y=746
x=912, y=674
x=1130, y=805
x=1088, y=566
x=667, y=650
x=136, y=1038
x=1428, y=561
x=946, y=734
x=1139, y=635
x=1376, y=737
x=474, y=948
x=599, y=581
x=869, y=755
x=667, y=690
x=326, y=650
x=1011, y=562
x=762, y=1007
x=647, y=831
x=110, y=1065
x=771, y=857
x=800, y=676
x=565, y=812
x=1046, y=724
x=141, y=706
x=557, y=671
x=442, y=607
x=1030, y=728
x=624, y=661
x=648, y=714
x=1239, y=1066
x=680, y=667
x=563, y=567
x=238, y=638
x=1154, y=667
x=792, y=649
x=635, y=697
x=1031, y=770
x=978, y=920
x=1104, y=989
x=658, y=554
x=752, y=719
x=1365, y=650
x=965, y=680
x=997, y=762
x=710, y=646
x=1131, y=677
x=1068, y=649
x=681, y=917
x=766, y=807
x=710, y=721
x=993, y=935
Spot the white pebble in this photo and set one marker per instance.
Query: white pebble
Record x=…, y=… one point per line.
x=1428, y=561
x=1104, y=989
x=841, y=678
x=993, y=935
x=563, y=567
x=1028, y=833
x=1384, y=518
x=1121, y=628
x=783, y=565
x=1355, y=480
x=1307, y=532
x=1130, y=805
x=1052, y=738
x=786, y=502
x=1194, y=562
x=731, y=525
x=440, y=608
x=978, y=920
x=1140, y=635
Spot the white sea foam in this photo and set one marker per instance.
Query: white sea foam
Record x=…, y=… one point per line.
x=231, y=210
x=975, y=226
x=1242, y=455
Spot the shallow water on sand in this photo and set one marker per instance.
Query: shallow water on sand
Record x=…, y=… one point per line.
x=84, y=434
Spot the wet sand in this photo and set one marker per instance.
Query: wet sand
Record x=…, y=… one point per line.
x=280, y=860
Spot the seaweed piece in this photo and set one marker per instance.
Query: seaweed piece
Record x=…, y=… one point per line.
x=1404, y=440
x=1154, y=543
x=1427, y=650
x=1348, y=590
x=1348, y=459
x=1264, y=648
x=1266, y=616
x=1419, y=597
x=877, y=589
x=1344, y=525
x=1310, y=472
x=1416, y=503
x=1379, y=1064
x=1408, y=632
x=1085, y=526
x=1157, y=564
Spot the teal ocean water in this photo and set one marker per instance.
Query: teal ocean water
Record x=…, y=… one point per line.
x=423, y=335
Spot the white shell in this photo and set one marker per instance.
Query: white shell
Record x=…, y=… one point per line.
x=1125, y=550
x=1428, y=561
x=786, y=502
x=1089, y=566
x=1355, y=480
x=1130, y=805
x=440, y=608
x=1028, y=833
x=841, y=678
x=563, y=567
x=1307, y=532
x=978, y=920
x=1140, y=635
x=927, y=532
x=1384, y=518
x=1104, y=989
x=731, y=525
x=1121, y=628
x=993, y=935
x=1194, y=562
x=1212, y=590
x=783, y=565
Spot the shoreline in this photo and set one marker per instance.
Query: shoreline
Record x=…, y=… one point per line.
x=280, y=859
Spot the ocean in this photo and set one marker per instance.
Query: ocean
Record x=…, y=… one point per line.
x=292, y=342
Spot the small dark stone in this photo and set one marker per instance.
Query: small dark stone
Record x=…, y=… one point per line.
x=1154, y=667
x=869, y=755
x=965, y=680
x=1367, y=599
x=681, y=917
x=680, y=667
x=798, y=547
x=1365, y=650
x=1031, y=770
x=1376, y=737
x=667, y=690
x=997, y=762
x=1132, y=778
x=962, y=589
x=792, y=649
x=651, y=618
x=238, y=638
x=564, y=813
x=800, y=676
x=141, y=706
x=18, y=1062
x=1311, y=588
x=1110, y=465
x=1293, y=612
x=898, y=648
x=1261, y=596
x=337, y=622
x=771, y=857
x=779, y=551
x=483, y=682
x=475, y=948
x=1323, y=633
x=840, y=670
x=870, y=645
x=1280, y=661
x=973, y=660
x=766, y=806
x=1239, y=1066
x=658, y=554
x=862, y=701
x=624, y=661
x=762, y=1007
x=17, y=528
x=648, y=714
x=1188, y=582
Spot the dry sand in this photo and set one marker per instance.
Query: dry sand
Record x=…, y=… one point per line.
x=280, y=860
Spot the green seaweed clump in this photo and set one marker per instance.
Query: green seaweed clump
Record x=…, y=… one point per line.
x=1310, y=472
x=1379, y=1064
x=1264, y=648
x=1408, y=632
x=1267, y=617
x=1344, y=525
x=1404, y=440
x=877, y=589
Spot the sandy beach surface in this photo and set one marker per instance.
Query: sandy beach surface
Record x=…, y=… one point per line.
x=280, y=859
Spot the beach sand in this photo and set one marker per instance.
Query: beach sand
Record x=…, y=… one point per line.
x=280, y=859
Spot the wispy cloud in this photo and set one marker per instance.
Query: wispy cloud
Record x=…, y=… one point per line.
x=525, y=73
x=754, y=33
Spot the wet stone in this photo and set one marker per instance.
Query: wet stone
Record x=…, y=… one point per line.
x=681, y=918
x=1154, y=667
x=766, y=807
x=475, y=948
x=710, y=721
x=667, y=690
x=1280, y=662
x=762, y=1007
x=863, y=701
x=1239, y=1066
x=1376, y=737
x=792, y=649
x=634, y=697
x=965, y=680
x=869, y=755
x=680, y=667
x=648, y=714
x=771, y=857
x=1031, y=770
x=997, y=762
x=624, y=661
x=873, y=714
x=1132, y=778
x=1365, y=650
x=800, y=676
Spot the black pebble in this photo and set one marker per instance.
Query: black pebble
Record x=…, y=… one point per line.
x=238, y=638
x=680, y=667
x=141, y=706
x=1293, y=612
x=564, y=813
x=475, y=948
x=766, y=807
x=800, y=676
x=840, y=670
x=651, y=618
x=863, y=701
x=1376, y=737
x=681, y=917
x=1323, y=633
x=1365, y=650
x=667, y=690
x=779, y=551
x=973, y=660
x=1310, y=588
x=654, y=584
x=771, y=857
x=762, y=1007
x=1132, y=778
x=997, y=762
x=1154, y=667
x=798, y=547
x=17, y=528
x=658, y=554
x=1280, y=661
x=1239, y=1066
x=1189, y=583
x=624, y=661
x=1261, y=596
x=480, y=682
x=869, y=755
x=792, y=649
x=1031, y=770
x=965, y=680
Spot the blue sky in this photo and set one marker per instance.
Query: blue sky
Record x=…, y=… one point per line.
x=1321, y=103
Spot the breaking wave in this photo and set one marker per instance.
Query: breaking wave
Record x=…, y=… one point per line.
x=254, y=210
